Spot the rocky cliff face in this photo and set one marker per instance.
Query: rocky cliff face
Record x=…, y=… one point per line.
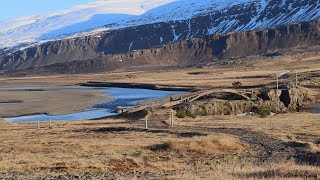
x=176, y=22
x=196, y=51
x=51, y=52
x=183, y=53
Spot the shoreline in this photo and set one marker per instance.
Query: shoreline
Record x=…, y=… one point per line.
x=139, y=86
x=50, y=101
x=96, y=112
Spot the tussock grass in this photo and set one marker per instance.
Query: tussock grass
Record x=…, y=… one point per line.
x=209, y=145
x=282, y=170
x=247, y=170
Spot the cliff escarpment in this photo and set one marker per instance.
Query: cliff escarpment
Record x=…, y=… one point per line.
x=217, y=47
x=161, y=27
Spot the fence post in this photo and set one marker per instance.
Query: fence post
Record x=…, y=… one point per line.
x=296, y=79
x=50, y=125
x=38, y=125
x=277, y=81
x=146, y=123
x=171, y=119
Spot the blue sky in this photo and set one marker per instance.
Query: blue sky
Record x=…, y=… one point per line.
x=16, y=8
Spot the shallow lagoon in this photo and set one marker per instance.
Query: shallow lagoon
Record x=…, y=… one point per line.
x=122, y=97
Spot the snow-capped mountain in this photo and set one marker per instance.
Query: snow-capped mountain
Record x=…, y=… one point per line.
x=77, y=19
x=232, y=15
x=225, y=16
x=142, y=24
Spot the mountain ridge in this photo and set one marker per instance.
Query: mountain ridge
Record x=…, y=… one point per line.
x=249, y=15
x=198, y=51
x=226, y=16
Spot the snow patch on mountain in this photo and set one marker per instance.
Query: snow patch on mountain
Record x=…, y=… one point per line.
x=78, y=19
x=181, y=10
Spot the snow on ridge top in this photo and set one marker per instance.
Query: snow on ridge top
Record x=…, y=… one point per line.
x=80, y=18
x=104, y=15
x=186, y=9
x=187, y=6
x=134, y=7
x=97, y=7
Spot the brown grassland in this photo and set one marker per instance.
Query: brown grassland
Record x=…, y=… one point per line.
x=71, y=149
x=282, y=146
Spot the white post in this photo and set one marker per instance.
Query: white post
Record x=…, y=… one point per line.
x=296, y=79
x=50, y=124
x=146, y=122
x=38, y=125
x=277, y=81
x=171, y=119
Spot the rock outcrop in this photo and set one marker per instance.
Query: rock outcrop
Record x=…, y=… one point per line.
x=274, y=100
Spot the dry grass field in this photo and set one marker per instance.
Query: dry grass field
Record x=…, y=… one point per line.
x=302, y=128
x=282, y=146
x=102, y=149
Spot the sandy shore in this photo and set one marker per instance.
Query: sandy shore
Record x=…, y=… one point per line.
x=52, y=101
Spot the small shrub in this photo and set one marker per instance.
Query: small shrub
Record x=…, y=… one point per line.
x=181, y=113
x=264, y=111
x=193, y=115
x=202, y=112
x=317, y=141
x=161, y=147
